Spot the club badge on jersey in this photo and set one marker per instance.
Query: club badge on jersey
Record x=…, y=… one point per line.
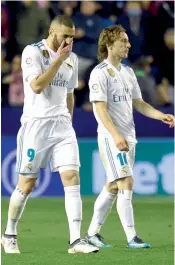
x=111, y=72
x=29, y=166
x=45, y=54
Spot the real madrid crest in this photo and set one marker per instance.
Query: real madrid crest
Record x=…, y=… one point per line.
x=111, y=72
x=46, y=54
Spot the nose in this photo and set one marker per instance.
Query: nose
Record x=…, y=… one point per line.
x=129, y=45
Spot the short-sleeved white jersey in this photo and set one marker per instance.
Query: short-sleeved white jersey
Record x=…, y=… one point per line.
x=118, y=89
x=36, y=59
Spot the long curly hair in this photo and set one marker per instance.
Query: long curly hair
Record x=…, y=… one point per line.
x=107, y=38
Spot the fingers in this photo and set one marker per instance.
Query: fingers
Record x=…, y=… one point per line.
x=171, y=124
x=167, y=122
x=62, y=44
x=123, y=147
x=169, y=117
x=68, y=48
x=127, y=144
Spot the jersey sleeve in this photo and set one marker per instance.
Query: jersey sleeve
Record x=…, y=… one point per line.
x=136, y=92
x=31, y=63
x=98, y=86
x=73, y=83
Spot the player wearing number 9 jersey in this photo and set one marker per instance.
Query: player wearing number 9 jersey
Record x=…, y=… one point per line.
x=50, y=75
x=114, y=92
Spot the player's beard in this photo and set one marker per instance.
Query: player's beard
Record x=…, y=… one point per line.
x=56, y=44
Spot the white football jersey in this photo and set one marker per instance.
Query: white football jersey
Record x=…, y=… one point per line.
x=36, y=59
x=118, y=89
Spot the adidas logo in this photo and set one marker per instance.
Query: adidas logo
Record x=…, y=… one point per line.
x=46, y=62
x=115, y=80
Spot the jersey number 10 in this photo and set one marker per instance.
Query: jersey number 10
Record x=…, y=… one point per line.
x=122, y=158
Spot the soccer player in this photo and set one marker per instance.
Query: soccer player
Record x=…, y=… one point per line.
x=50, y=75
x=114, y=92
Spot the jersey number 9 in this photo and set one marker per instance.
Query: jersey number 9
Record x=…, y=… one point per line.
x=31, y=154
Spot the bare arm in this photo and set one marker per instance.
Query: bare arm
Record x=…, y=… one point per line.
x=39, y=83
x=70, y=103
x=147, y=110
x=101, y=109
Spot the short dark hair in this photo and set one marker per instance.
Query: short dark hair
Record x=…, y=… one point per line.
x=63, y=20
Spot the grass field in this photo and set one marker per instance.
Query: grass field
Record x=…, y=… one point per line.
x=43, y=234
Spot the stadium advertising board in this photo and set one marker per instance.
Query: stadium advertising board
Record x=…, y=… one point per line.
x=153, y=169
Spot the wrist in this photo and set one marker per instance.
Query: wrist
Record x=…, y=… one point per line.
x=160, y=116
x=116, y=135
x=59, y=61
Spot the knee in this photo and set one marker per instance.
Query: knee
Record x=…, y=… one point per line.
x=29, y=186
x=26, y=184
x=112, y=187
x=130, y=182
x=70, y=178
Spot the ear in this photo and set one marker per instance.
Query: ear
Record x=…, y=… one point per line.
x=51, y=31
x=109, y=47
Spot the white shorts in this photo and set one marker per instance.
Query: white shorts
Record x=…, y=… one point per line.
x=41, y=140
x=118, y=164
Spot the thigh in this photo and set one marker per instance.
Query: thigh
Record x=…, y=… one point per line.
x=65, y=153
x=33, y=147
x=116, y=163
x=131, y=154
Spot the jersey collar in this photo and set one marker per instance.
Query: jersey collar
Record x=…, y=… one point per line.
x=47, y=47
x=112, y=66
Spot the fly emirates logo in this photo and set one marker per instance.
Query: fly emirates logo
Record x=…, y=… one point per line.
x=59, y=81
x=121, y=98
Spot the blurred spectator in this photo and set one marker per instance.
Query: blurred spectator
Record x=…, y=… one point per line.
x=149, y=25
x=64, y=7
x=4, y=24
x=134, y=20
x=5, y=70
x=151, y=93
x=43, y=4
x=32, y=23
x=88, y=27
x=5, y=66
x=151, y=6
x=162, y=19
x=67, y=7
x=146, y=80
x=109, y=11
x=165, y=93
x=15, y=82
x=164, y=57
x=166, y=15
x=82, y=92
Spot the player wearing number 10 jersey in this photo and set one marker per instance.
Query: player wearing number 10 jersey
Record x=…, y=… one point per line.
x=114, y=92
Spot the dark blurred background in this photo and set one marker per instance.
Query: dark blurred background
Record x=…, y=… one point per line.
x=150, y=27
x=149, y=24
